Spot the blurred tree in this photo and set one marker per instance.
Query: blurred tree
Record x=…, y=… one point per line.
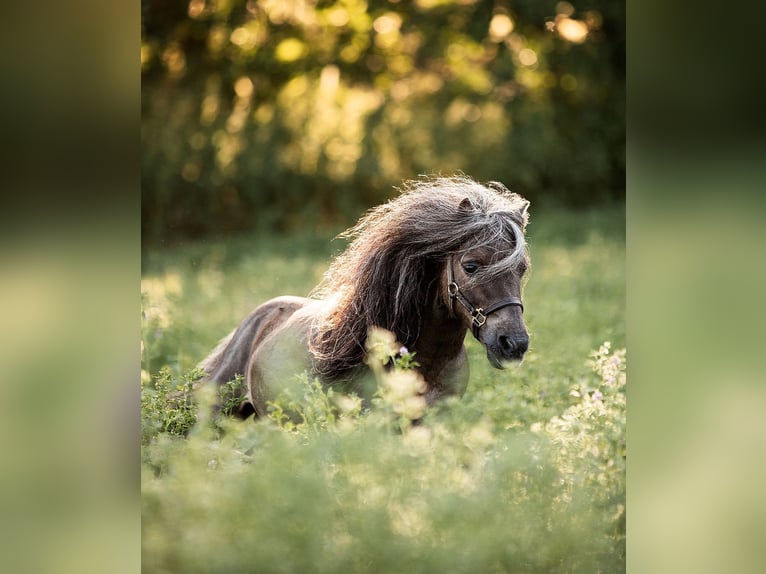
x=282, y=113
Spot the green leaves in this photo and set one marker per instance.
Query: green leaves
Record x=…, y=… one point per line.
x=172, y=407
x=325, y=484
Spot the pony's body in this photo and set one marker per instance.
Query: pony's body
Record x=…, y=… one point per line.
x=442, y=241
x=278, y=331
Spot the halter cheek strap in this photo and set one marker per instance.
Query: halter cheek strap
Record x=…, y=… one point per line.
x=478, y=314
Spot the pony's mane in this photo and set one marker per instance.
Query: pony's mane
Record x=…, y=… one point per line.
x=387, y=275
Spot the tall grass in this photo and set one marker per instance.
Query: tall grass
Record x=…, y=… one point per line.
x=525, y=473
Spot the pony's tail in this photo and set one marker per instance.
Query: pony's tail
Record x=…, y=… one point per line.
x=227, y=361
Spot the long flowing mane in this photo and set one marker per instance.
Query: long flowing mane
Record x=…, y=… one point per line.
x=387, y=276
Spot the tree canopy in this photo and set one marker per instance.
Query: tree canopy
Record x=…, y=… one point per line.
x=277, y=114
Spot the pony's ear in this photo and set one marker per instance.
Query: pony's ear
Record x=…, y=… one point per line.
x=523, y=215
x=466, y=205
x=524, y=209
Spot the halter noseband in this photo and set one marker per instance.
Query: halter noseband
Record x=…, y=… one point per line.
x=478, y=314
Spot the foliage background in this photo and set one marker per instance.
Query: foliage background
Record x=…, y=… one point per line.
x=295, y=114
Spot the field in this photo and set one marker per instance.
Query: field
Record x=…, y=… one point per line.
x=525, y=473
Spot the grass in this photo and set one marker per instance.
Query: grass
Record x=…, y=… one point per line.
x=525, y=473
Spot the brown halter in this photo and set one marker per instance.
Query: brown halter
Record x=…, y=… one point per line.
x=479, y=314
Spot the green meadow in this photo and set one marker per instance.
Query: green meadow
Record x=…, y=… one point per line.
x=524, y=473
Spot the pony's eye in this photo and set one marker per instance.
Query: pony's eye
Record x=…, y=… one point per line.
x=470, y=267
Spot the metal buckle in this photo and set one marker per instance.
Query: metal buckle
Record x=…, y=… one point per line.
x=453, y=289
x=479, y=318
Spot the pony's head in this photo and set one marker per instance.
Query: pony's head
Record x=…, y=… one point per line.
x=444, y=245
x=484, y=275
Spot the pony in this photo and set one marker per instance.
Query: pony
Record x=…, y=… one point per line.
x=446, y=255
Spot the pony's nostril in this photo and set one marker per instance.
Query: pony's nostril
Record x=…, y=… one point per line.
x=513, y=348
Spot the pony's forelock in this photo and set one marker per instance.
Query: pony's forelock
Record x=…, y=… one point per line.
x=504, y=235
x=494, y=217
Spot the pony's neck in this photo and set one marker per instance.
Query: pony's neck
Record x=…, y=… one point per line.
x=440, y=341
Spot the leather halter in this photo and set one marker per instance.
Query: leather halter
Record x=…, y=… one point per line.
x=478, y=314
